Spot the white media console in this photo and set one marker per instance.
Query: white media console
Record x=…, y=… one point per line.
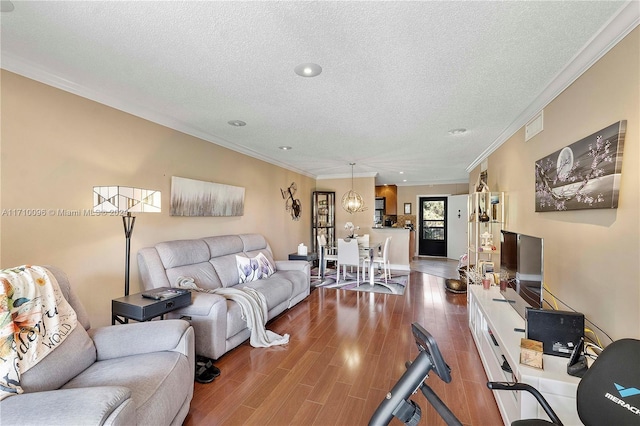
x=493, y=323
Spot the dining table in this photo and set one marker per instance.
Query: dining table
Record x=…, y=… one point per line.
x=370, y=249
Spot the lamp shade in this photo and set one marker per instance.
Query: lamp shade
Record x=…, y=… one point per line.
x=125, y=199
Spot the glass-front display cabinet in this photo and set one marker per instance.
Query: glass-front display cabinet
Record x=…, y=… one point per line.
x=323, y=218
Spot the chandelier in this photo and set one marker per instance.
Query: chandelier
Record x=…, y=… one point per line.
x=352, y=202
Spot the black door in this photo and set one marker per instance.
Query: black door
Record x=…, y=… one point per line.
x=433, y=226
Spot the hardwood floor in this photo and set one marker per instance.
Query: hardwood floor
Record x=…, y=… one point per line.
x=347, y=350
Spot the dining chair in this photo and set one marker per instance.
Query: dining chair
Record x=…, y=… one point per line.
x=383, y=261
x=363, y=245
x=348, y=255
x=327, y=256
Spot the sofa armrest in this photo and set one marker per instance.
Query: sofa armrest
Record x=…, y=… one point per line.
x=152, y=272
x=204, y=305
x=292, y=265
x=144, y=337
x=208, y=314
x=108, y=405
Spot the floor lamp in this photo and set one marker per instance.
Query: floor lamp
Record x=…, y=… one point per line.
x=124, y=200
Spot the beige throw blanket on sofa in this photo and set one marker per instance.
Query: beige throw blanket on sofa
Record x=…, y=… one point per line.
x=35, y=318
x=254, y=311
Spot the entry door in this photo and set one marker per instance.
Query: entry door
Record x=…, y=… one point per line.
x=433, y=226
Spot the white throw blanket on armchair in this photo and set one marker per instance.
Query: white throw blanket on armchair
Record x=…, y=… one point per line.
x=254, y=310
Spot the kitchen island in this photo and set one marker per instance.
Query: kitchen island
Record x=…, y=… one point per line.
x=398, y=247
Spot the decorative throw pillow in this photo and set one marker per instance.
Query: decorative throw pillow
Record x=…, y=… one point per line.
x=248, y=269
x=266, y=266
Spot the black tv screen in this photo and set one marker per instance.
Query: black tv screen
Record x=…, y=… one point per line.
x=522, y=258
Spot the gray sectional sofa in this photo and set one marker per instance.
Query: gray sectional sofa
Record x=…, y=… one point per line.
x=211, y=262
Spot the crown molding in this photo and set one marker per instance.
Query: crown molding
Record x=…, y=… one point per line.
x=617, y=28
x=435, y=182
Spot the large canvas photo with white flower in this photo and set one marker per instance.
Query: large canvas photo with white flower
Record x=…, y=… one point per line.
x=191, y=197
x=583, y=175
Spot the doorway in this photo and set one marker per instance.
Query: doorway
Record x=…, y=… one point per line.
x=432, y=239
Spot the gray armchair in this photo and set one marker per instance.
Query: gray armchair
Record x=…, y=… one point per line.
x=140, y=373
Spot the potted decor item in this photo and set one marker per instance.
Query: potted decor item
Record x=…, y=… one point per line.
x=351, y=229
x=504, y=279
x=484, y=217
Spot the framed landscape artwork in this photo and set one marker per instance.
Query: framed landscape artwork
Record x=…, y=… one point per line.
x=191, y=197
x=583, y=175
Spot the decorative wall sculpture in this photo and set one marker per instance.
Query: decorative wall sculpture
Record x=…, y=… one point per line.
x=583, y=175
x=292, y=205
x=199, y=198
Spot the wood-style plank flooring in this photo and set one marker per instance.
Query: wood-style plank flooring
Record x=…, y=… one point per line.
x=347, y=350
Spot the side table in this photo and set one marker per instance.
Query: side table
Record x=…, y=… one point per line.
x=139, y=308
x=310, y=257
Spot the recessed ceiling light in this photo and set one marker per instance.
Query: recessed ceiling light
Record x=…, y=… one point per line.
x=308, y=70
x=457, y=131
x=285, y=148
x=404, y=180
x=401, y=173
x=237, y=123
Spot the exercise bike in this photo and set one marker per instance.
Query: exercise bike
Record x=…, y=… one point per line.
x=396, y=404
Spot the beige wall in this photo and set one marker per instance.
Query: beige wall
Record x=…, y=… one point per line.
x=592, y=257
x=56, y=146
x=408, y=194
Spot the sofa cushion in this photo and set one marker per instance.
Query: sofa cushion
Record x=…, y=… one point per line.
x=276, y=289
x=226, y=268
x=276, y=295
x=223, y=245
x=182, y=252
x=203, y=274
x=251, y=242
x=159, y=382
x=299, y=281
x=76, y=353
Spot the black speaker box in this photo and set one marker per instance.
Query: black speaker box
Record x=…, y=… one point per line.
x=559, y=331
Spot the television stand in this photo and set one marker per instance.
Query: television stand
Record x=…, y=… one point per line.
x=495, y=329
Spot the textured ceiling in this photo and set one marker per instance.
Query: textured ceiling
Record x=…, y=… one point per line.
x=397, y=76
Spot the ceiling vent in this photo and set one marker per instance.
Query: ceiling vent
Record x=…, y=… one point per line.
x=534, y=126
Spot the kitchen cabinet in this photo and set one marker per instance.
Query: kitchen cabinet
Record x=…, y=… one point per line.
x=390, y=194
